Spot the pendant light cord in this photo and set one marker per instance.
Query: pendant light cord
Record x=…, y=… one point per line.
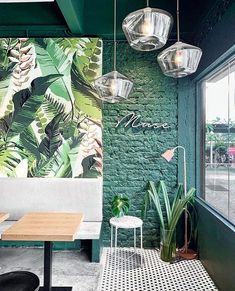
x=115, y=36
x=178, y=21
x=147, y=3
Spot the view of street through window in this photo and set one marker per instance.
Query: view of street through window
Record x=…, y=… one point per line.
x=220, y=141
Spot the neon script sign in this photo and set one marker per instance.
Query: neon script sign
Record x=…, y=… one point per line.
x=134, y=120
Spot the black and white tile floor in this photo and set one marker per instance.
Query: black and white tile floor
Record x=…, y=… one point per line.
x=74, y=269
x=154, y=275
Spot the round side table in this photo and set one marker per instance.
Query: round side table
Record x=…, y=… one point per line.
x=126, y=222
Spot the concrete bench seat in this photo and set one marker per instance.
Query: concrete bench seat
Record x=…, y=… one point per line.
x=89, y=230
x=5, y=225
x=19, y=196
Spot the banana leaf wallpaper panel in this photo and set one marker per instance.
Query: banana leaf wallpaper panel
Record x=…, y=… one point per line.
x=50, y=114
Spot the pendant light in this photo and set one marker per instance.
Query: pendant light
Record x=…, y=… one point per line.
x=180, y=59
x=113, y=87
x=147, y=29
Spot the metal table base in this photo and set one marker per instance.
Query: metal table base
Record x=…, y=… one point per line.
x=48, y=246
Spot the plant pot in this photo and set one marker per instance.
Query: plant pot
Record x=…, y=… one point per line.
x=168, y=245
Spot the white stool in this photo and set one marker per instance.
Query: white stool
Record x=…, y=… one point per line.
x=126, y=222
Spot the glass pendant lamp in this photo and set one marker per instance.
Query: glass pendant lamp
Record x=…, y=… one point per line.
x=113, y=87
x=147, y=29
x=180, y=59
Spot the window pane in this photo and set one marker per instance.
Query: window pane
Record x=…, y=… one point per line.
x=231, y=150
x=217, y=145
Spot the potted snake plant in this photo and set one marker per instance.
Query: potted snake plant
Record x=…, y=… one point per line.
x=169, y=213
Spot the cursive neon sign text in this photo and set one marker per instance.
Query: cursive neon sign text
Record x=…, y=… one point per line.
x=133, y=120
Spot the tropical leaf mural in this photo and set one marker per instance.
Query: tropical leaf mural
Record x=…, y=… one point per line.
x=50, y=114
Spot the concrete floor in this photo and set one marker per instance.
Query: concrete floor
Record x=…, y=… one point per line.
x=220, y=192
x=70, y=268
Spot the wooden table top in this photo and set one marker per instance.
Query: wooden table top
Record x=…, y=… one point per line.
x=45, y=226
x=3, y=216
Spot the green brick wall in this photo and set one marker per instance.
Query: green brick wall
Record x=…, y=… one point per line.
x=132, y=156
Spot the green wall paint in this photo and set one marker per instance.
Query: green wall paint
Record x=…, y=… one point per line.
x=30, y=14
x=216, y=236
x=131, y=156
x=221, y=36
x=73, y=12
x=186, y=128
x=216, y=247
x=90, y=17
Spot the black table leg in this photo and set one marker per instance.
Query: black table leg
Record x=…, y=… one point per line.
x=48, y=246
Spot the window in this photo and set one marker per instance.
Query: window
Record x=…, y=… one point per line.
x=219, y=140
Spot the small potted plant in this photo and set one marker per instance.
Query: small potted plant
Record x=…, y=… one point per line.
x=120, y=205
x=169, y=213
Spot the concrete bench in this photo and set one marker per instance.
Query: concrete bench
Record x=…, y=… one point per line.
x=19, y=196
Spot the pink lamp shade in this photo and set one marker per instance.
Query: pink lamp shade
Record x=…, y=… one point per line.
x=168, y=155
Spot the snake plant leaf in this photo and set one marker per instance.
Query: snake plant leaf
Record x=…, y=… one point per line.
x=166, y=201
x=86, y=97
x=27, y=101
x=52, y=60
x=178, y=195
x=180, y=206
x=146, y=205
x=154, y=194
x=175, y=210
x=53, y=139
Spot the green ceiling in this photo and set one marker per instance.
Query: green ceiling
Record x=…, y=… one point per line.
x=90, y=17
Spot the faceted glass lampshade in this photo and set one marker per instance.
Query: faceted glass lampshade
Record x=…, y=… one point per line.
x=147, y=29
x=179, y=60
x=113, y=87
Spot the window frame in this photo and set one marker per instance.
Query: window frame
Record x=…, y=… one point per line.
x=213, y=69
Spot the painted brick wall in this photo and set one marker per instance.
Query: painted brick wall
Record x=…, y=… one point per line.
x=131, y=156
